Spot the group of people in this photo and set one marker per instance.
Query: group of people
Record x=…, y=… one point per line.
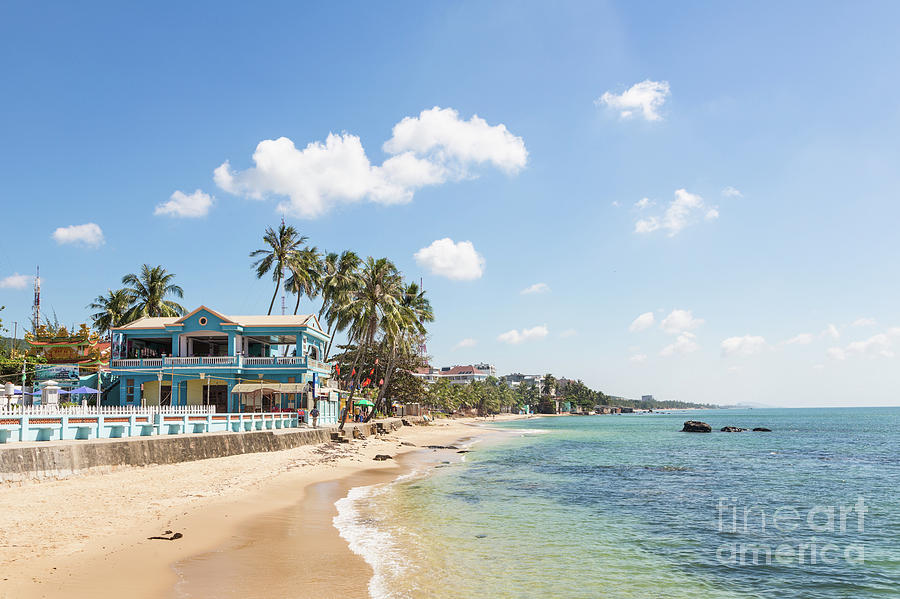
x=313, y=416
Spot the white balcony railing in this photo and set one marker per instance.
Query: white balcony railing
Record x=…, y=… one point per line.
x=220, y=361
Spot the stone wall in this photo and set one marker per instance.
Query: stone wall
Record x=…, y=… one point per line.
x=64, y=458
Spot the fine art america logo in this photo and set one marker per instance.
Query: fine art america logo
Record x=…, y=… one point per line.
x=815, y=534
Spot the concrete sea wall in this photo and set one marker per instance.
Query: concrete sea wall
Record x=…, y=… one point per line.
x=59, y=459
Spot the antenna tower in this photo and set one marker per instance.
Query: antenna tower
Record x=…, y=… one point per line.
x=36, y=307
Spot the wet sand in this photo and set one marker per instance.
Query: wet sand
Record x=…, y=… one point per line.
x=256, y=525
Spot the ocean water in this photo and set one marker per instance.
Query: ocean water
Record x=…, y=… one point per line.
x=628, y=506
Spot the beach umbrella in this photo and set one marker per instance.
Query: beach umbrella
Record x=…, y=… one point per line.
x=82, y=390
x=364, y=402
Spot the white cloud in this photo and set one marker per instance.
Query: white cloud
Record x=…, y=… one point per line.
x=88, y=234
x=680, y=320
x=186, y=206
x=638, y=358
x=643, y=203
x=831, y=331
x=642, y=322
x=467, y=342
x=647, y=97
x=457, y=261
x=15, y=281
x=568, y=333
x=685, y=343
x=536, y=288
x=679, y=214
x=515, y=337
x=615, y=204
x=743, y=346
x=876, y=345
x=432, y=148
x=864, y=322
x=836, y=353
x=731, y=192
x=801, y=339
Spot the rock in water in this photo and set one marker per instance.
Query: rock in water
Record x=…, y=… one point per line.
x=760, y=429
x=695, y=426
x=732, y=429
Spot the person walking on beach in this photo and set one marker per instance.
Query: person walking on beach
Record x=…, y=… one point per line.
x=314, y=414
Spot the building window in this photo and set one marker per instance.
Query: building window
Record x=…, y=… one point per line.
x=129, y=390
x=202, y=321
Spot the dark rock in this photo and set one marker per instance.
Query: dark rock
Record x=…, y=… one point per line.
x=382, y=457
x=761, y=429
x=480, y=536
x=695, y=426
x=405, y=422
x=732, y=429
x=174, y=537
x=407, y=443
x=442, y=447
x=463, y=451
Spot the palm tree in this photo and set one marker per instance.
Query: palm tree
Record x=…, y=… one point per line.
x=340, y=275
x=283, y=245
x=148, y=291
x=306, y=274
x=111, y=310
x=379, y=293
x=402, y=328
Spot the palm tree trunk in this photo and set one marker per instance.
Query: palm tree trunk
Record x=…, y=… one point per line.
x=387, y=381
x=297, y=305
x=330, y=341
x=274, y=295
x=355, y=382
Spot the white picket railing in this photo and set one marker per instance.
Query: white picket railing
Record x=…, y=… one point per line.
x=104, y=410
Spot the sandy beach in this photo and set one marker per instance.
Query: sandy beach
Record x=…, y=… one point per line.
x=87, y=536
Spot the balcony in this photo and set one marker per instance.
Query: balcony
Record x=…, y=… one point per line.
x=225, y=362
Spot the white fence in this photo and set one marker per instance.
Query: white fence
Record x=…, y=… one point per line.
x=105, y=410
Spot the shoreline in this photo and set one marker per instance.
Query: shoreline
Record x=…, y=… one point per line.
x=84, y=537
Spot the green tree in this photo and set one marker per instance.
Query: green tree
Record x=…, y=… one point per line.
x=306, y=274
x=148, y=290
x=340, y=274
x=378, y=295
x=282, y=248
x=110, y=310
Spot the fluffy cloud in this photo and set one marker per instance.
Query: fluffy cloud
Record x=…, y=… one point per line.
x=743, y=346
x=514, y=337
x=457, y=261
x=646, y=98
x=15, y=281
x=731, y=192
x=432, y=148
x=638, y=358
x=88, y=234
x=685, y=343
x=801, y=339
x=680, y=320
x=186, y=206
x=680, y=213
x=642, y=322
x=864, y=322
x=877, y=345
x=643, y=203
x=467, y=342
x=536, y=288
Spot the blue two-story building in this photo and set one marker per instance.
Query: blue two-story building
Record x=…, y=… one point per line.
x=235, y=363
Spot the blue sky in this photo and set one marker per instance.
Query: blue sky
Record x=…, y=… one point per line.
x=108, y=110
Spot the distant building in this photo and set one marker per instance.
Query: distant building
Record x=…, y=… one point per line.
x=517, y=378
x=458, y=375
x=646, y=398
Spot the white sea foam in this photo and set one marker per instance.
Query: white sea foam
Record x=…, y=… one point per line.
x=370, y=538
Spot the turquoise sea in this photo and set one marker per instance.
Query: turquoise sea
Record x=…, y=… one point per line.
x=628, y=506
